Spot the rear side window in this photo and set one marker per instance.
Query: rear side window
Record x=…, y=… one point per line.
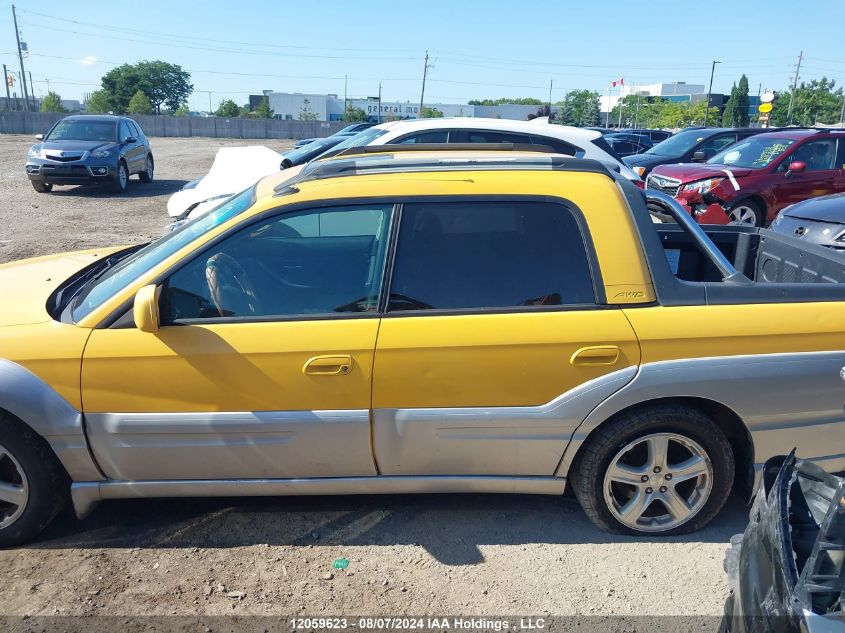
x=435, y=136
x=487, y=136
x=561, y=147
x=136, y=129
x=473, y=255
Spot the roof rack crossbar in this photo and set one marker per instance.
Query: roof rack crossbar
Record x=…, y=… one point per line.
x=447, y=147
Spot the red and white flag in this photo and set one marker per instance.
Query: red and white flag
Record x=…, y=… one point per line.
x=620, y=82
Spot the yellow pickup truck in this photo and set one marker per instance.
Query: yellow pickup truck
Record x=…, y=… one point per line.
x=423, y=322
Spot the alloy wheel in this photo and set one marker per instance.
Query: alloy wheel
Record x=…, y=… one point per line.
x=658, y=482
x=123, y=176
x=14, y=489
x=743, y=214
x=149, y=168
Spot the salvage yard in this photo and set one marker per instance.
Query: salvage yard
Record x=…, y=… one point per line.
x=429, y=554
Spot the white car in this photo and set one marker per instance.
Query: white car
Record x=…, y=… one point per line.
x=572, y=141
x=234, y=169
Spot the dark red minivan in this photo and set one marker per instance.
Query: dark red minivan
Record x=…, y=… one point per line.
x=751, y=181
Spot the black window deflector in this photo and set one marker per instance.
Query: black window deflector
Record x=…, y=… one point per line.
x=694, y=230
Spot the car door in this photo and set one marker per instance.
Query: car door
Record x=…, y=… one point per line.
x=496, y=341
x=821, y=176
x=262, y=365
x=129, y=150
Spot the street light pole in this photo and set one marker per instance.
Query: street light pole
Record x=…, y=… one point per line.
x=709, y=92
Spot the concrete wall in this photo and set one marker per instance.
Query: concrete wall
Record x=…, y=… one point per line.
x=214, y=127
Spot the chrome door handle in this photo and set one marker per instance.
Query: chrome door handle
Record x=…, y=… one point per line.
x=330, y=365
x=595, y=355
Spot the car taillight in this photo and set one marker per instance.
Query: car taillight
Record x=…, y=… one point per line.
x=640, y=184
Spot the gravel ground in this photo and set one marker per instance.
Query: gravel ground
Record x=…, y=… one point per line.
x=448, y=554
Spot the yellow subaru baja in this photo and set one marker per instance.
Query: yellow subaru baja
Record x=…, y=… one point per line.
x=423, y=322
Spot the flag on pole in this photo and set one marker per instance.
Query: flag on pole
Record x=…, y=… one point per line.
x=620, y=82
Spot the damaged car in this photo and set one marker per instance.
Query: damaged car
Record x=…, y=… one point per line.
x=786, y=572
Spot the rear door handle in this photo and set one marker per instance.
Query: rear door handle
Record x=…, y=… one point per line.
x=595, y=355
x=332, y=365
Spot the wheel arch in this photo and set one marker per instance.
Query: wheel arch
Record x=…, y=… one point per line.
x=756, y=198
x=728, y=421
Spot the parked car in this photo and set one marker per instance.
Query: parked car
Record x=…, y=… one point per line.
x=570, y=141
x=818, y=220
x=235, y=356
x=349, y=130
x=785, y=573
x=655, y=136
x=627, y=144
x=688, y=146
x=88, y=149
x=751, y=182
x=305, y=153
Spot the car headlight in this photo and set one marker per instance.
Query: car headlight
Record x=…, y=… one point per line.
x=639, y=171
x=703, y=186
x=34, y=151
x=102, y=153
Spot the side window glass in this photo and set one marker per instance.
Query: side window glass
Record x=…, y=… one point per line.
x=840, y=160
x=490, y=136
x=561, y=147
x=817, y=155
x=717, y=144
x=306, y=263
x=489, y=255
x=436, y=136
x=124, y=131
x=136, y=129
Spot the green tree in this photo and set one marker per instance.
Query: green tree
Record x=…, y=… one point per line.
x=565, y=114
x=164, y=84
x=306, y=113
x=264, y=111
x=818, y=101
x=431, y=113
x=729, y=115
x=182, y=110
x=741, y=107
x=227, y=109
x=52, y=103
x=140, y=104
x=583, y=106
x=98, y=103
x=506, y=100
x=245, y=112
x=355, y=115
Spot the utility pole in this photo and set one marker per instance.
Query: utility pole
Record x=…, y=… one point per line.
x=551, y=85
x=709, y=93
x=31, y=88
x=619, y=125
x=20, y=59
x=422, y=93
x=379, y=102
x=794, y=86
x=345, y=102
x=6, y=81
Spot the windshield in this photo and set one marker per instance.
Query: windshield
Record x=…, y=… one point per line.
x=365, y=137
x=754, y=153
x=679, y=144
x=115, y=279
x=76, y=130
x=302, y=153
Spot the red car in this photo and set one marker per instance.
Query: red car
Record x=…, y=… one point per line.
x=750, y=182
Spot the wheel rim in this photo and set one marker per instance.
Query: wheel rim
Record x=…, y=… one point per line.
x=743, y=215
x=658, y=482
x=14, y=489
x=149, y=168
x=122, y=176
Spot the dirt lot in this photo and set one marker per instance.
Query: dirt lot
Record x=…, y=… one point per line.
x=441, y=555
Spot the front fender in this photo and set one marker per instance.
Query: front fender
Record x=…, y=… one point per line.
x=29, y=398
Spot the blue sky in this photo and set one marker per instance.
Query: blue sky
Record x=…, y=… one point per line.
x=487, y=48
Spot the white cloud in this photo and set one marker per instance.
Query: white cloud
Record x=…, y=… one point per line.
x=88, y=61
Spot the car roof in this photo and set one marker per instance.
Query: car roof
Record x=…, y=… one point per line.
x=543, y=128
x=95, y=117
x=795, y=135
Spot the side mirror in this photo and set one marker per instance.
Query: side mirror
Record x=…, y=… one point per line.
x=699, y=157
x=39, y=137
x=129, y=140
x=796, y=167
x=145, y=309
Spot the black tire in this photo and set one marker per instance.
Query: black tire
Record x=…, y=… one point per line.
x=121, y=184
x=286, y=163
x=590, y=467
x=149, y=169
x=41, y=187
x=46, y=480
x=751, y=205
